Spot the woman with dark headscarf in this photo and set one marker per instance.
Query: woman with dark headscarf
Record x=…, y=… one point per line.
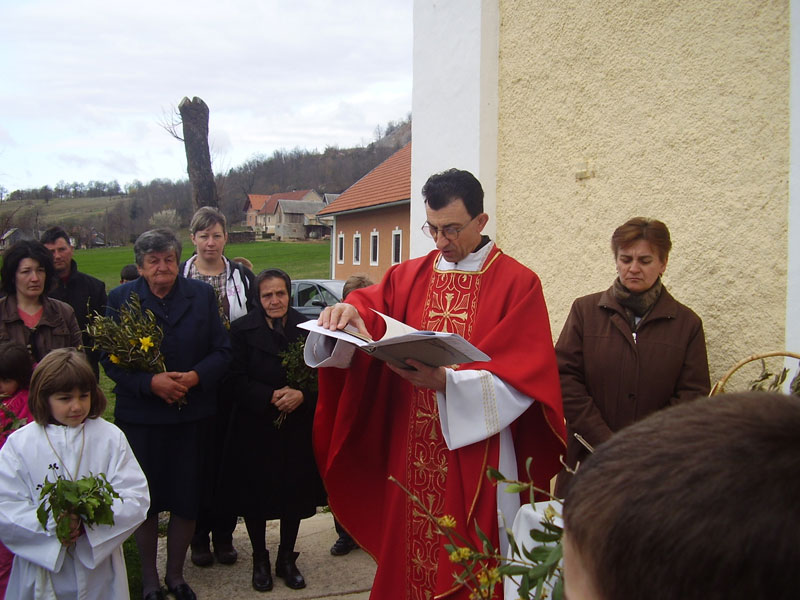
x=27, y=315
x=628, y=351
x=269, y=465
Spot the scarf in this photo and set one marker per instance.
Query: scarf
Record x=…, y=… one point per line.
x=637, y=305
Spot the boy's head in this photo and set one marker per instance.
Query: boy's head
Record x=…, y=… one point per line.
x=698, y=501
x=128, y=273
x=63, y=370
x=355, y=282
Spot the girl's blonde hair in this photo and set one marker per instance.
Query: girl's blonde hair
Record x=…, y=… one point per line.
x=63, y=370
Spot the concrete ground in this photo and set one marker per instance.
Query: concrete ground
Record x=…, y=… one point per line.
x=346, y=577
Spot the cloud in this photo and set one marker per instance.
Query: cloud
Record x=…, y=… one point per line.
x=90, y=80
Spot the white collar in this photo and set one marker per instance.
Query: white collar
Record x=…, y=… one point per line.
x=472, y=262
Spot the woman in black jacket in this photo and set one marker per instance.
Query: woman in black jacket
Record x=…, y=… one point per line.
x=269, y=466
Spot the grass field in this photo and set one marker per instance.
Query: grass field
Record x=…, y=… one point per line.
x=301, y=260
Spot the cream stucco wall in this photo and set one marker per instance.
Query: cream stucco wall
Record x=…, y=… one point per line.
x=681, y=112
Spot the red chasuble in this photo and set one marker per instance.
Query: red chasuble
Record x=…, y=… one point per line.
x=370, y=424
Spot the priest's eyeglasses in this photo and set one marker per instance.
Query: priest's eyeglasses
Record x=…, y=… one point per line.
x=450, y=232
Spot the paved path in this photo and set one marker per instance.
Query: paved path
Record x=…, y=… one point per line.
x=328, y=577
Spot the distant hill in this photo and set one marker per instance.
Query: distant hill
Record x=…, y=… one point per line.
x=74, y=214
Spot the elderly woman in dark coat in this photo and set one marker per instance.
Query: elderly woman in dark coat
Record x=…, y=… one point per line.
x=628, y=351
x=269, y=465
x=168, y=440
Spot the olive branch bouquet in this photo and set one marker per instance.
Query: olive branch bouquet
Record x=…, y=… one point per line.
x=89, y=498
x=538, y=569
x=133, y=342
x=299, y=376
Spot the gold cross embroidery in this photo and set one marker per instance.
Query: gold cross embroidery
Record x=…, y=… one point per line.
x=447, y=313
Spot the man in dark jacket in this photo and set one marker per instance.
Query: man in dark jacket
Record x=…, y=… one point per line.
x=84, y=293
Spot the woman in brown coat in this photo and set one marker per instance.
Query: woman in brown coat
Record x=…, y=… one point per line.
x=27, y=315
x=628, y=351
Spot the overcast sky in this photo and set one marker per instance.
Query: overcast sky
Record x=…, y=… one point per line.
x=84, y=84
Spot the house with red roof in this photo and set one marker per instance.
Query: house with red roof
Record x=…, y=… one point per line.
x=296, y=220
x=371, y=220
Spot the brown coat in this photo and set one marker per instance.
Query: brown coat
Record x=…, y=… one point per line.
x=57, y=328
x=610, y=380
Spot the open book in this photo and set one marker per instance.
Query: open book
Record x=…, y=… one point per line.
x=401, y=341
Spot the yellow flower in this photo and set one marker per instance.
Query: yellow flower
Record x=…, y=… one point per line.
x=114, y=359
x=446, y=522
x=146, y=342
x=550, y=513
x=460, y=554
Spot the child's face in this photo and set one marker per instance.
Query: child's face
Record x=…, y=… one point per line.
x=70, y=408
x=8, y=387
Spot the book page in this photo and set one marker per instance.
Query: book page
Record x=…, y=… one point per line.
x=352, y=337
x=394, y=327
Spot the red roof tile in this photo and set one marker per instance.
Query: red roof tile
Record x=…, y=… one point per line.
x=257, y=200
x=389, y=182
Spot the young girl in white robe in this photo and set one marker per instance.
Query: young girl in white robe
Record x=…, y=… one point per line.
x=66, y=404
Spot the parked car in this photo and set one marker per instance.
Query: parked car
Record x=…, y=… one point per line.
x=310, y=296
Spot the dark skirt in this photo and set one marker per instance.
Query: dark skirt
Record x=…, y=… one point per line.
x=174, y=460
x=270, y=472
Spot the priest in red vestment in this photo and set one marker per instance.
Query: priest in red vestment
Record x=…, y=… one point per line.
x=436, y=430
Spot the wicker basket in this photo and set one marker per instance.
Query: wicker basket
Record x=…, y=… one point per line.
x=719, y=387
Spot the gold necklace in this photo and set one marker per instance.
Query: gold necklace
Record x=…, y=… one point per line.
x=80, y=454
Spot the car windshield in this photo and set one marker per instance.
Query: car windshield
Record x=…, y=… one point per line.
x=334, y=288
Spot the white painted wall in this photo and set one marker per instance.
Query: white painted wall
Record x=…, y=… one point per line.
x=454, y=100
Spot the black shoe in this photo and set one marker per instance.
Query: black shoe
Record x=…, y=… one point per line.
x=201, y=554
x=262, y=574
x=182, y=591
x=342, y=546
x=286, y=568
x=156, y=595
x=225, y=553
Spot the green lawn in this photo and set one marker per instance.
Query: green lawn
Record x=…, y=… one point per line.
x=301, y=260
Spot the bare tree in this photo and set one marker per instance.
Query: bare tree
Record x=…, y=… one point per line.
x=194, y=115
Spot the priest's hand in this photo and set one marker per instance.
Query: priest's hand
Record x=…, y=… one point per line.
x=339, y=316
x=434, y=378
